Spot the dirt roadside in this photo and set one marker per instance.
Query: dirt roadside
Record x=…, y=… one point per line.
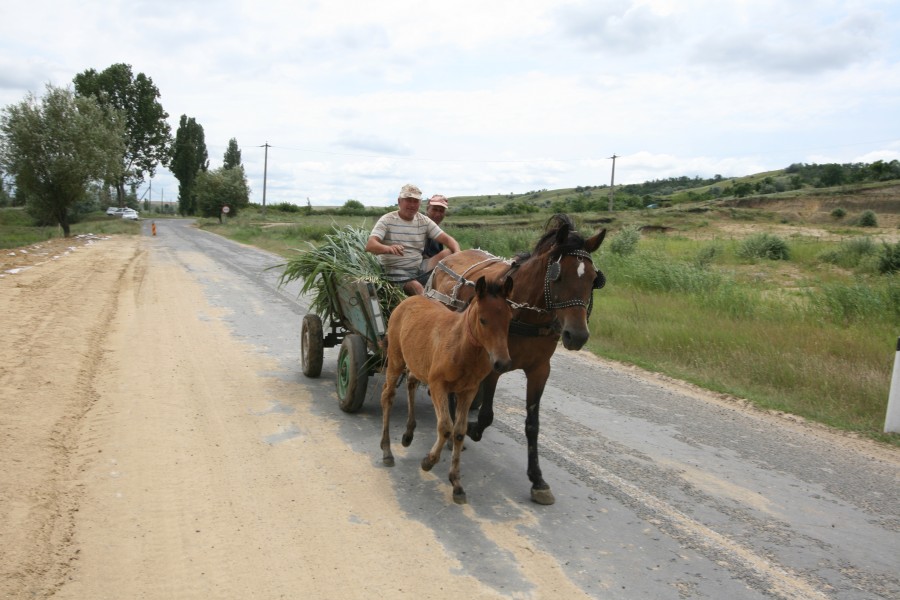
x=134, y=460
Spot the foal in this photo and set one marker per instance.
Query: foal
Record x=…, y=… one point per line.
x=451, y=352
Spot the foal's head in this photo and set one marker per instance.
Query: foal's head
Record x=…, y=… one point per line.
x=487, y=318
x=568, y=277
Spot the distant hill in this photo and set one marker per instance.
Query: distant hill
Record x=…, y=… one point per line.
x=796, y=180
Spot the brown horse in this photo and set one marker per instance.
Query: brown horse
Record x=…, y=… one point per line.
x=552, y=300
x=452, y=352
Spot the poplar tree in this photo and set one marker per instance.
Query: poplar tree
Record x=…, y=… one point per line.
x=189, y=157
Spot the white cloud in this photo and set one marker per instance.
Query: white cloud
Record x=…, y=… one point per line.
x=470, y=97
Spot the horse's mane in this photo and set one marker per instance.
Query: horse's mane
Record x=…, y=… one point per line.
x=547, y=242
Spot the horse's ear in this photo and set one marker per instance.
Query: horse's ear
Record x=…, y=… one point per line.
x=507, y=287
x=480, y=286
x=593, y=243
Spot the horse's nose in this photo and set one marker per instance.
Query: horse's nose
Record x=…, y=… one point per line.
x=502, y=366
x=574, y=340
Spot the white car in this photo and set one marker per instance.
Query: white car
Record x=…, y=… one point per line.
x=115, y=211
x=130, y=213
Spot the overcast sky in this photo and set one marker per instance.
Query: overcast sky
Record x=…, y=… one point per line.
x=466, y=97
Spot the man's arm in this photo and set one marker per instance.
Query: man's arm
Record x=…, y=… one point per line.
x=447, y=241
x=375, y=246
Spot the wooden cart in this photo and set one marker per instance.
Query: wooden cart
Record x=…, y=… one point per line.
x=356, y=323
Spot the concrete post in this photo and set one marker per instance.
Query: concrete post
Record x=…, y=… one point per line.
x=892, y=420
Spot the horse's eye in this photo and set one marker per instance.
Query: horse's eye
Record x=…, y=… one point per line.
x=482, y=321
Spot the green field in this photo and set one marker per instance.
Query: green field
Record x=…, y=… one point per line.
x=809, y=328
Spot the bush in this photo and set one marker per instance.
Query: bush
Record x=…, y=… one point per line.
x=867, y=219
x=764, y=245
x=839, y=213
x=706, y=255
x=626, y=241
x=849, y=254
x=889, y=261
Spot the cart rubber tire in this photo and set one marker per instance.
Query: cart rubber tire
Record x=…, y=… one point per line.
x=352, y=373
x=312, y=346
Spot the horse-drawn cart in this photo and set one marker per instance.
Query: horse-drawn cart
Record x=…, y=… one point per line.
x=356, y=322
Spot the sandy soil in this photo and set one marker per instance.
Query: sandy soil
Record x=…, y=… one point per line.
x=129, y=467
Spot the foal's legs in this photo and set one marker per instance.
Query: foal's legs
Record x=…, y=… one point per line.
x=464, y=402
x=411, y=384
x=395, y=367
x=444, y=425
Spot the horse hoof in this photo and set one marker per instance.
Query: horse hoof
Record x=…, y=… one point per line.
x=426, y=464
x=544, y=497
x=388, y=461
x=460, y=498
x=406, y=440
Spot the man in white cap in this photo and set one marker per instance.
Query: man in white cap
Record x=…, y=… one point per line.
x=398, y=239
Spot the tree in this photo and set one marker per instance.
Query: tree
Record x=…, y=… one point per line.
x=832, y=174
x=232, y=157
x=56, y=146
x=189, y=157
x=221, y=187
x=148, y=137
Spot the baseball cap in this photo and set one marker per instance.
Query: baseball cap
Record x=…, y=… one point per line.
x=438, y=200
x=410, y=191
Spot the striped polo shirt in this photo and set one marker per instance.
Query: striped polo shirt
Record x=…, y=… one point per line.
x=391, y=229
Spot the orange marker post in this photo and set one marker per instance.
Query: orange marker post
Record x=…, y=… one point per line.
x=153, y=227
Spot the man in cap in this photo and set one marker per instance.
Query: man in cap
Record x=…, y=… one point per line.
x=398, y=239
x=436, y=209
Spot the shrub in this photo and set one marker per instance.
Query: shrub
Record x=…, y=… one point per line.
x=839, y=213
x=706, y=255
x=850, y=253
x=764, y=245
x=867, y=219
x=626, y=241
x=889, y=261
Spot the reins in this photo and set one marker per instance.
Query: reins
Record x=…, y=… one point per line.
x=518, y=327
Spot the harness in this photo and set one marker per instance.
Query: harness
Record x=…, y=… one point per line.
x=517, y=327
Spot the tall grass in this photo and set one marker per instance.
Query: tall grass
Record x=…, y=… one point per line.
x=826, y=356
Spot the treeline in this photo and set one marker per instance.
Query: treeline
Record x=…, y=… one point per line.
x=832, y=174
x=61, y=154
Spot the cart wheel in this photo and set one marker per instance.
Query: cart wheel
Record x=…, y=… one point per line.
x=312, y=344
x=353, y=373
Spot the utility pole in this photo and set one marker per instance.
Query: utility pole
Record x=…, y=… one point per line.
x=612, y=182
x=265, y=172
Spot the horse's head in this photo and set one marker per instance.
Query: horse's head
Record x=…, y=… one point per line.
x=570, y=278
x=489, y=320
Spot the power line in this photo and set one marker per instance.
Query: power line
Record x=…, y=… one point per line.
x=446, y=160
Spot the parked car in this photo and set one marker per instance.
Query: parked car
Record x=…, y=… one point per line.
x=115, y=211
x=130, y=213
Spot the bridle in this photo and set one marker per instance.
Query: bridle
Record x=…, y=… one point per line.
x=554, y=271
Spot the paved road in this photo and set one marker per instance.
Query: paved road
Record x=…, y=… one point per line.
x=660, y=493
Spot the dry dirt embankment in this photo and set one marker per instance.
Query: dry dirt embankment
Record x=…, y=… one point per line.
x=134, y=460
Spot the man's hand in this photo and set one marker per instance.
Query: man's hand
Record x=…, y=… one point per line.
x=375, y=246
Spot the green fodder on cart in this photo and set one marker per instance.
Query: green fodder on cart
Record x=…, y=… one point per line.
x=340, y=257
